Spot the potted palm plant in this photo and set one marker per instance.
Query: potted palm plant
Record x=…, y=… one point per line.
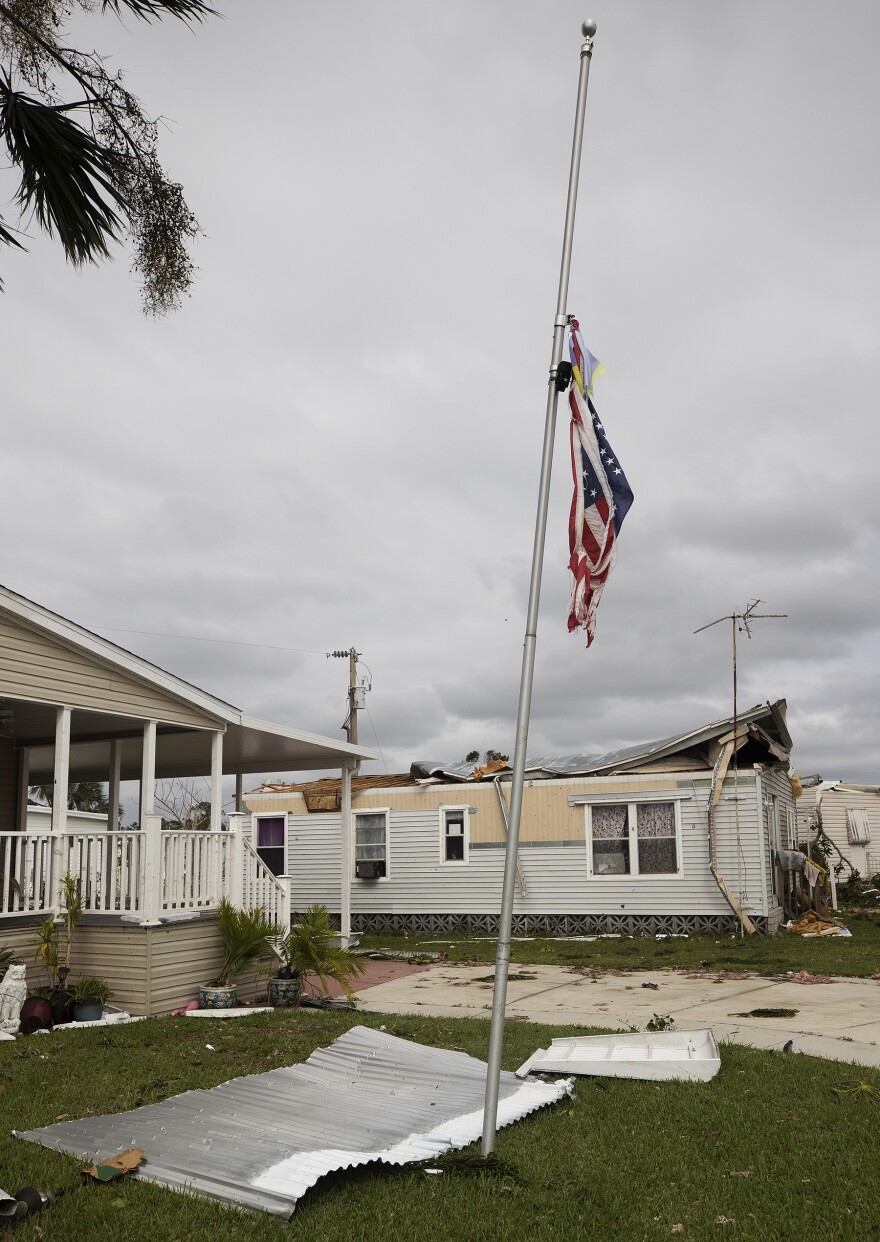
x=62, y=997
x=90, y=995
x=311, y=948
x=247, y=936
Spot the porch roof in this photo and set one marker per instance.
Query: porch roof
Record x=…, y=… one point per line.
x=249, y=745
x=28, y=711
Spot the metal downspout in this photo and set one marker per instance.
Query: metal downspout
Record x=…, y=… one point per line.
x=718, y=774
x=519, y=875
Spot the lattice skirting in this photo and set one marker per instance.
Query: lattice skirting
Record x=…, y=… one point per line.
x=551, y=924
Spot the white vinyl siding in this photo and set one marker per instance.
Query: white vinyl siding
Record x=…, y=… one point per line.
x=555, y=873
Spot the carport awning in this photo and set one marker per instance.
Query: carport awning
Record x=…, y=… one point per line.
x=249, y=745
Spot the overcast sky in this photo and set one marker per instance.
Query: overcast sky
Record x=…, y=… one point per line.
x=337, y=439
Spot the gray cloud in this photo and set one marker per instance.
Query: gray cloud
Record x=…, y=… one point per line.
x=338, y=438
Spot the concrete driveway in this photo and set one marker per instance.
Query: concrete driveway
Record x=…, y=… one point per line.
x=839, y=1020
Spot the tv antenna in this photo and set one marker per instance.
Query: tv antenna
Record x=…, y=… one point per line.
x=742, y=621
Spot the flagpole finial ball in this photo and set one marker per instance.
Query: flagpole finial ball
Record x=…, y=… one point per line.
x=588, y=29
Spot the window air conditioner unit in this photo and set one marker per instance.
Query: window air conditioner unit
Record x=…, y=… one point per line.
x=369, y=869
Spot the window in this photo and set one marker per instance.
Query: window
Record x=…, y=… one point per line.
x=371, y=845
x=271, y=830
x=633, y=838
x=610, y=840
x=454, y=834
x=655, y=828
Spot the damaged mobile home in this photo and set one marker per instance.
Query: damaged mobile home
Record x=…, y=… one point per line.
x=675, y=836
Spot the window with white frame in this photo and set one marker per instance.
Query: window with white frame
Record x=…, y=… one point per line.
x=633, y=838
x=454, y=834
x=371, y=845
x=271, y=831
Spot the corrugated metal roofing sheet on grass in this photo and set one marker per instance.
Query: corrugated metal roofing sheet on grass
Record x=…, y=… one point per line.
x=262, y=1141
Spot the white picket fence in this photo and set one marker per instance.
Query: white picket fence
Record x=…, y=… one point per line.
x=148, y=874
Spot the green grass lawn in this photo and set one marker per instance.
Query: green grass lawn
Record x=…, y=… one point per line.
x=768, y=1145
x=766, y=955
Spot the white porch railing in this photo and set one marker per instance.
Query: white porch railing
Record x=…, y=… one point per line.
x=260, y=887
x=148, y=873
x=193, y=869
x=25, y=872
x=108, y=866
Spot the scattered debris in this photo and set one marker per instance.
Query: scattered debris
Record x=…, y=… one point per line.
x=261, y=1141
x=804, y=976
x=812, y=925
x=653, y=986
x=513, y=977
x=116, y=1166
x=767, y=1013
x=660, y=1022
x=416, y=957
x=866, y=1089
x=689, y=1055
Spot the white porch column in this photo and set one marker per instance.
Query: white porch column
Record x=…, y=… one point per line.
x=113, y=786
x=346, y=829
x=60, y=790
x=148, y=771
x=152, y=867
x=24, y=784
x=61, y=778
x=216, y=779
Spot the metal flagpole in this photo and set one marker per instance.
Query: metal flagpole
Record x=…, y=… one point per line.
x=502, y=959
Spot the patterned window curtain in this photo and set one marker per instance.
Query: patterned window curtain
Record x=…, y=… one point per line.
x=655, y=827
x=369, y=838
x=609, y=823
x=610, y=831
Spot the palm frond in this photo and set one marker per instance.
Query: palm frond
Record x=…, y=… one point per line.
x=247, y=935
x=311, y=947
x=66, y=175
x=155, y=10
x=7, y=238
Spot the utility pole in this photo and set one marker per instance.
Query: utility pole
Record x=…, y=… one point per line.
x=355, y=693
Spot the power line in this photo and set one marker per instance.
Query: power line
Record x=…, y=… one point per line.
x=193, y=638
x=376, y=736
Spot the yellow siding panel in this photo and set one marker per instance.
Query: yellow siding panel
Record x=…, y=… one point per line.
x=546, y=814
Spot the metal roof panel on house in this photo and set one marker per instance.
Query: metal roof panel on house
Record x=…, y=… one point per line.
x=769, y=718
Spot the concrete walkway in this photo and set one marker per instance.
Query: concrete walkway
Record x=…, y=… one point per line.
x=838, y=1020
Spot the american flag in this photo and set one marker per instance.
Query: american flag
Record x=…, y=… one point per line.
x=602, y=496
